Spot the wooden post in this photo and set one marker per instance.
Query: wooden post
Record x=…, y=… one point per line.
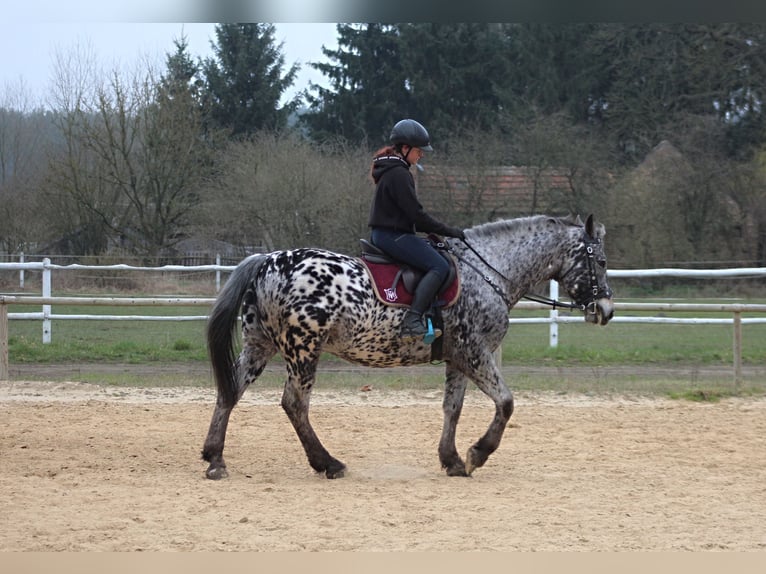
x=4, y=376
x=737, y=349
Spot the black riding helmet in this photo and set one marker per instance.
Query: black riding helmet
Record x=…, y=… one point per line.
x=411, y=133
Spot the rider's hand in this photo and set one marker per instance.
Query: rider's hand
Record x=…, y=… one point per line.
x=457, y=233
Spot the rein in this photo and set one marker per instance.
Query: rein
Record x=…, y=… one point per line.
x=531, y=297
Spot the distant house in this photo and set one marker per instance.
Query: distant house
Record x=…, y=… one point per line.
x=492, y=192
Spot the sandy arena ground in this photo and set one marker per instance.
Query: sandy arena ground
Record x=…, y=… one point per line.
x=92, y=468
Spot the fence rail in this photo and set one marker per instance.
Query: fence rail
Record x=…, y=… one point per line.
x=553, y=319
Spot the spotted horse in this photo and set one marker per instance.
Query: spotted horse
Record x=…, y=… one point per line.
x=301, y=303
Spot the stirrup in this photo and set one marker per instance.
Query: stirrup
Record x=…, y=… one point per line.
x=431, y=332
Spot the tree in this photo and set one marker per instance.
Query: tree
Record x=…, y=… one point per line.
x=133, y=161
x=736, y=65
x=653, y=76
x=80, y=209
x=183, y=76
x=278, y=191
x=457, y=75
x=368, y=89
x=451, y=77
x=551, y=72
x=244, y=82
x=25, y=133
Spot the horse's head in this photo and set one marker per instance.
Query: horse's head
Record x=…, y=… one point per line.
x=583, y=274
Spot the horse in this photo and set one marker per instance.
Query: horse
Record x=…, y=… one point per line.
x=303, y=302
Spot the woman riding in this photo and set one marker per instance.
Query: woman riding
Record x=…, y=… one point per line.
x=396, y=216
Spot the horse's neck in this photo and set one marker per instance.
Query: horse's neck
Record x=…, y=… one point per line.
x=524, y=260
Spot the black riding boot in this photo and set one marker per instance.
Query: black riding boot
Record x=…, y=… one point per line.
x=413, y=326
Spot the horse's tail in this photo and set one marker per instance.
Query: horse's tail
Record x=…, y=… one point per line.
x=221, y=325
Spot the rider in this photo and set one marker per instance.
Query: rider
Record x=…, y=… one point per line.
x=396, y=215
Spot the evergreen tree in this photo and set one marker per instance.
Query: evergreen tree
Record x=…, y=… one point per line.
x=550, y=70
x=457, y=75
x=368, y=91
x=652, y=77
x=245, y=81
x=183, y=75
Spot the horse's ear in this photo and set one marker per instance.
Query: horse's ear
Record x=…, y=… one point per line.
x=590, y=228
x=578, y=221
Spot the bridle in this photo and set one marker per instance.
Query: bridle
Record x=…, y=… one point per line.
x=596, y=292
x=589, y=303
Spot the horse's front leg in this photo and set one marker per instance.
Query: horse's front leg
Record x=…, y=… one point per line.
x=452, y=406
x=487, y=377
x=295, y=402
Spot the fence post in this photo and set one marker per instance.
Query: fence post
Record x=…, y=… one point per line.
x=46, y=308
x=553, y=330
x=4, y=342
x=737, y=349
x=21, y=272
x=217, y=273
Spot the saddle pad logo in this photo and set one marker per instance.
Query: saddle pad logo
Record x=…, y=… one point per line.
x=391, y=294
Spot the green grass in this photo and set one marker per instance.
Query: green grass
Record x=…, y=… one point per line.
x=591, y=349
x=116, y=341
x=633, y=344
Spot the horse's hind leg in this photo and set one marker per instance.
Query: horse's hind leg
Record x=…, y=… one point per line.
x=452, y=405
x=247, y=368
x=487, y=377
x=212, y=452
x=295, y=402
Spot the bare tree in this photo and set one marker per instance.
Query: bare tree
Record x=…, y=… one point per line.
x=129, y=176
x=23, y=133
x=281, y=191
x=687, y=201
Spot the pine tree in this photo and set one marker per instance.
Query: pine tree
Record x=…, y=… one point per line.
x=368, y=91
x=245, y=81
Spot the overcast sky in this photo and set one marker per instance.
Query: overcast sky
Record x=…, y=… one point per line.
x=32, y=31
x=29, y=47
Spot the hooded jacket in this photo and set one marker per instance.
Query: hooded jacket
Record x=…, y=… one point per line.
x=395, y=204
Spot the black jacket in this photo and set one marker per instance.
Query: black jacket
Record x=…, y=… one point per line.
x=396, y=205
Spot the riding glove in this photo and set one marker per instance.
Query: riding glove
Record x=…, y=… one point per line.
x=457, y=233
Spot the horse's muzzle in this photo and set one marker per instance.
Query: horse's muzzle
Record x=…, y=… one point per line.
x=600, y=311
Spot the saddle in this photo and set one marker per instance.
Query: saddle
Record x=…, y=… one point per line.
x=394, y=281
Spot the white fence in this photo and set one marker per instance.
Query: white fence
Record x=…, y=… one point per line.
x=553, y=318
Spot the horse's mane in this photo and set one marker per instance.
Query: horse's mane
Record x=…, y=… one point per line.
x=493, y=227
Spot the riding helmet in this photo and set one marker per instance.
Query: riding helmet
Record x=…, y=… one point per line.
x=411, y=133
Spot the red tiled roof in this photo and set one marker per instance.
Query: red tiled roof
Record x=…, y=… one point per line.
x=499, y=191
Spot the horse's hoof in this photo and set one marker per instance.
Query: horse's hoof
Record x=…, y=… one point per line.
x=216, y=473
x=457, y=471
x=474, y=459
x=336, y=471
